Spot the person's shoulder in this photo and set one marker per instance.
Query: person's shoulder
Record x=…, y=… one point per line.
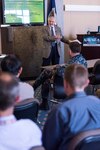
x=63, y=110
x=92, y=97
x=28, y=128
x=57, y=27
x=65, y=105
x=27, y=123
x=46, y=27
x=72, y=103
x=25, y=91
x=24, y=84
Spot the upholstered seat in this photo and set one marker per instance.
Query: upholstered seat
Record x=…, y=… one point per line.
x=27, y=109
x=96, y=72
x=95, y=80
x=88, y=140
x=59, y=94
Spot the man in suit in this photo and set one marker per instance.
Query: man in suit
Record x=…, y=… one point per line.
x=52, y=38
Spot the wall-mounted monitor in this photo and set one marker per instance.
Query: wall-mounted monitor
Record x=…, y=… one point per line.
x=91, y=40
x=19, y=12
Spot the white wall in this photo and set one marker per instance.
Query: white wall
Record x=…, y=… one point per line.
x=60, y=22
x=80, y=22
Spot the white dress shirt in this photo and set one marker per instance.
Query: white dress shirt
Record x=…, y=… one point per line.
x=25, y=91
x=18, y=134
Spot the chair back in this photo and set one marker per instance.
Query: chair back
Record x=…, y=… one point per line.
x=96, y=72
x=88, y=140
x=58, y=85
x=27, y=109
x=96, y=68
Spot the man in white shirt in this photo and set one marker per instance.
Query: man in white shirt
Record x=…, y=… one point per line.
x=13, y=65
x=14, y=134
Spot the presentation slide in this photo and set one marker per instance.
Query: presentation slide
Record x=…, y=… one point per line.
x=24, y=11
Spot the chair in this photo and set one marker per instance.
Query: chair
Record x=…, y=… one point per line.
x=89, y=89
x=95, y=80
x=27, y=109
x=88, y=140
x=59, y=94
x=37, y=148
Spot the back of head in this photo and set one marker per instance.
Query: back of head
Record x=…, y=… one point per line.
x=75, y=47
x=9, y=90
x=11, y=64
x=76, y=75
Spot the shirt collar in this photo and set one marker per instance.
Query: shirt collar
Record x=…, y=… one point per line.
x=77, y=56
x=51, y=26
x=76, y=95
x=7, y=119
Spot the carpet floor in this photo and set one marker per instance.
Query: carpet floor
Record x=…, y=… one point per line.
x=42, y=115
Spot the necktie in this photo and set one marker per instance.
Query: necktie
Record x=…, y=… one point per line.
x=52, y=32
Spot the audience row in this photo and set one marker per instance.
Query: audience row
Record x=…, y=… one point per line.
x=78, y=113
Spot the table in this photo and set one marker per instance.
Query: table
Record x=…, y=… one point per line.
x=89, y=62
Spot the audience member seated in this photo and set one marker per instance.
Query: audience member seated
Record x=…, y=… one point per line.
x=79, y=113
x=76, y=57
x=12, y=64
x=74, y=53
x=14, y=134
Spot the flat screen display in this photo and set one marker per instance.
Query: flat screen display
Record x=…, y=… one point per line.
x=90, y=40
x=23, y=11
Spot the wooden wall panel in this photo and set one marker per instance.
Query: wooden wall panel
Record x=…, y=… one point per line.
x=27, y=43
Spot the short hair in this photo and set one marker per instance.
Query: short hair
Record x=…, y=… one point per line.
x=75, y=47
x=51, y=17
x=11, y=64
x=76, y=75
x=9, y=90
